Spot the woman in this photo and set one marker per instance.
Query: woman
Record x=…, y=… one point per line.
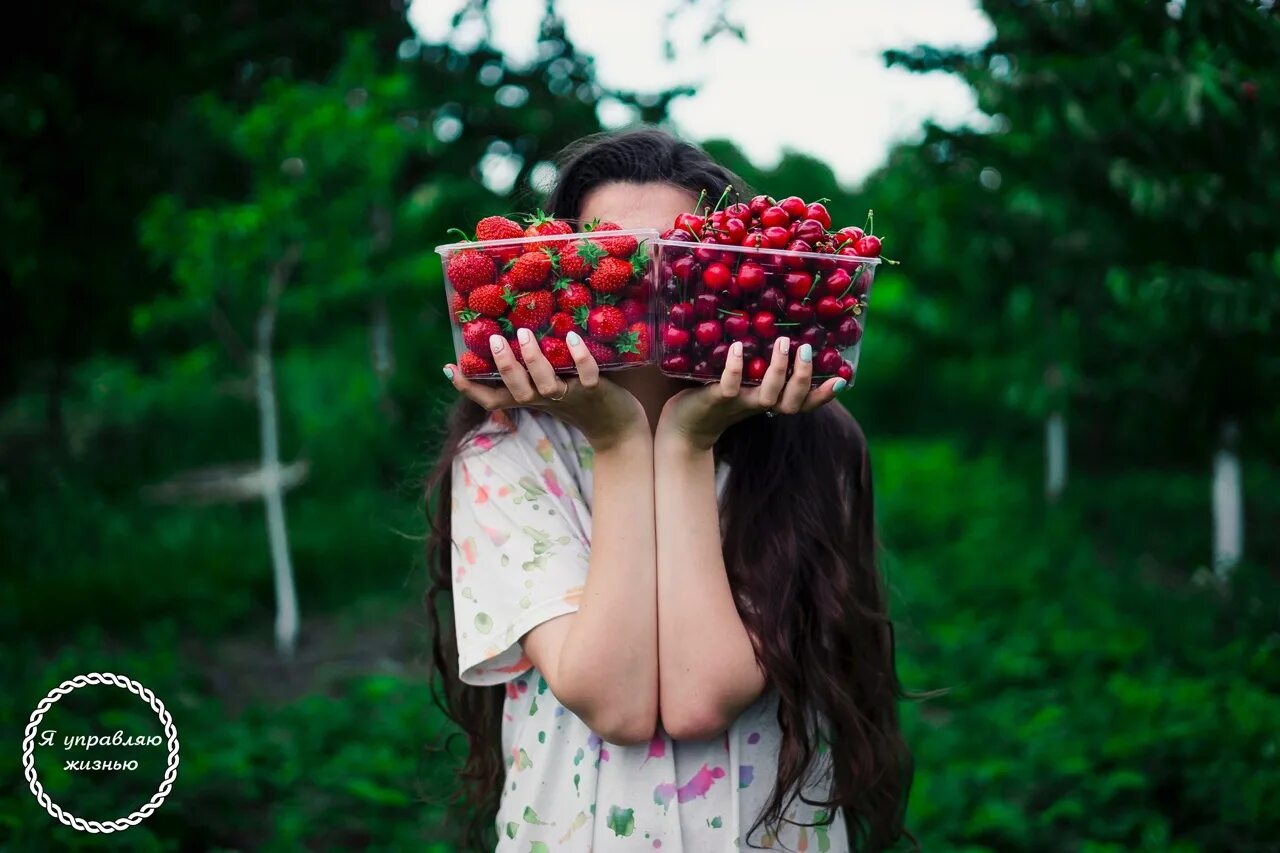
x=678, y=595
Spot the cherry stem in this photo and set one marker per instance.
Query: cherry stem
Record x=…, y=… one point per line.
x=817, y=278
x=731, y=313
x=786, y=324
x=842, y=245
x=871, y=221
x=853, y=281
x=724, y=195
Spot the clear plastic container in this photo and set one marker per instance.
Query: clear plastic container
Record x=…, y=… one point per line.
x=597, y=283
x=710, y=295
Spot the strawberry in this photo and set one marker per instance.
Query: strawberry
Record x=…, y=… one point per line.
x=557, y=352
x=579, y=259
x=531, y=310
x=602, y=353
x=498, y=228
x=611, y=275
x=469, y=269
x=458, y=304
x=476, y=334
x=573, y=297
x=618, y=247
x=530, y=270
x=634, y=309
x=562, y=323
x=474, y=365
x=542, y=225
x=633, y=344
x=606, y=322
x=488, y=300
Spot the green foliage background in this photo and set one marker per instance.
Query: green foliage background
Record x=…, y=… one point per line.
x=1104, y=247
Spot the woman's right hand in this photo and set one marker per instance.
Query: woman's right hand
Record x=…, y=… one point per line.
x=604, y=412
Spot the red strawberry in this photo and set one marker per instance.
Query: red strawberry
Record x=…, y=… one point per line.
x=579, y=259
x=530, y=270
x=562, y=323
x=476, y=334
x=542, y=225
x=474, y=365
x=605, y=322
x=612, y=275
x=634, y=309
x=573, y=297
x=498, y=228
x=602, y=353
x=469, y=269
x=458, y=303
x=618, y=247
x=633, y=344
x=557, y=352
x=489, y=300
x=531, y=310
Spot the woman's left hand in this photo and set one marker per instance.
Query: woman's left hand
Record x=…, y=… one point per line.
x=698, y=416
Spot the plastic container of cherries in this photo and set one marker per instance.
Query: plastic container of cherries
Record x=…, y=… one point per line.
x=551, y=278
x=752, y=272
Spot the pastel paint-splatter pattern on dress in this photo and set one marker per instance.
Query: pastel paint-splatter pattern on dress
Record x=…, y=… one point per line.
x=522, y=531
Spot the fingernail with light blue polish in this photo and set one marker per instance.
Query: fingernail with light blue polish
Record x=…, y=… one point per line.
x=448, y=373
x=806, y=352
x=573, y=339
x=840, y=385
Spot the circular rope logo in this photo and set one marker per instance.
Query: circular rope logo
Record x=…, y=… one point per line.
x=29, y=763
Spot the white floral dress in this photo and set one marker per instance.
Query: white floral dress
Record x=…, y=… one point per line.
x=522, y=534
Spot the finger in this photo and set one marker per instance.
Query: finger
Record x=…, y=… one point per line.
x=588, y=370
x=487, y=396
x=797, y=390
x=776, y=376
x=514, y=376
x=823, y=394
x=544, y=375
x=731, y=376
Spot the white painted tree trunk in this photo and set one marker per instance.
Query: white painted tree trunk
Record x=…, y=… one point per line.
x=1228, y=505
x=1055, y=456
x=272, y=487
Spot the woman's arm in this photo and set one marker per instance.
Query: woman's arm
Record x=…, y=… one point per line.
x=708, y=672
x=601, y=662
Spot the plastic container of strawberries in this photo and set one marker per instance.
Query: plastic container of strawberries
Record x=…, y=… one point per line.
x=597, y=283
x=710, y=295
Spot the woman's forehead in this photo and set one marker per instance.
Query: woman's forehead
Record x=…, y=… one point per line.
x=632, y=205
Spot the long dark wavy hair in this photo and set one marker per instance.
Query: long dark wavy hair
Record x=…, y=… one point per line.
x=799, y=546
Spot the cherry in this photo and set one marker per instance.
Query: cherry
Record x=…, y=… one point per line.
x=681, y=315
x=775, y=217
x=706, y=306
x=708, y=332
x=836, y=282
x=765, y=325
x=738, y=210
x=814, y=336
x=671, y=291
x=825, y=264
x=818, y=212
x=691, y=222
x=848, y=304
x=756, y=368
x=676, y=235
x=848, y=333
x=718, y=355
x=734, y=230
x=674, y=338
x=798, y=284
x=772, y=299
x=811, y=231
x=845, y=372
x=703, y=369
x=676, y=364
x=775, y=237
x=682, y=267
x=706, y=254
x=751, y=348
x=799, y=311
x=828, y=309
x=848, y=235
x=868, y=246
x=759, y=204
x=716, y=275
x=794, y=207
x=754, y=238
x=827, y=361
x=737, y=327
x=750, y=277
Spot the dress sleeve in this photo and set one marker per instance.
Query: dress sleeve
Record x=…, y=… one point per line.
x=521, y=546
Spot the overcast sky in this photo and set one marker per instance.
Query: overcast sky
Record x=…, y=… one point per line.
x=809, y=76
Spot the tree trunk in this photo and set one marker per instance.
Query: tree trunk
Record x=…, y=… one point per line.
x=272, y=488
x=1228, y=504
x=1055, y=437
